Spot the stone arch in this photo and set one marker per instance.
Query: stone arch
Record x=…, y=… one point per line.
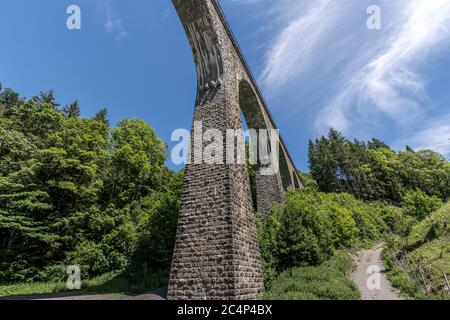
x=256, y=119
x=297, y=183
x=269, y=188
x=286, y=176
x=250, y=106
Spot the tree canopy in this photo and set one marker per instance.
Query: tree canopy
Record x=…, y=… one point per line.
x=74, y=191
x=373, y=171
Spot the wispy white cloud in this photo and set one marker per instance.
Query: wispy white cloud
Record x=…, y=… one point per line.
x=434, y=135
x=295, y=48
x=113, y=23
x=354, y=79
x=388, y=84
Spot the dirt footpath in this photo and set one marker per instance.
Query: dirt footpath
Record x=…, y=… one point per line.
x=370, y=277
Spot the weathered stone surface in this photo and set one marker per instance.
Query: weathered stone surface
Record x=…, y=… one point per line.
x=216, y=253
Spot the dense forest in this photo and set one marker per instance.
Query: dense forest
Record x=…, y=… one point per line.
x=75, y=191
x=373, y=171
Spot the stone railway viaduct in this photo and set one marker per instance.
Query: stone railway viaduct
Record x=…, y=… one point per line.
x=216, y=252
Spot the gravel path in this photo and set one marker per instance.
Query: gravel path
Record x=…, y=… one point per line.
x=371, y=271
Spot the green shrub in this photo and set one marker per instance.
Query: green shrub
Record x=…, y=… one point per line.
x=369, y=224
x=418, y=204
x=311, y=226
x=426, y=251
x=341, y=261
x=437, y=224
x=328, y=281
x=400, y=279
x=343, y=224
x=52, y=273
x=307, y=236
x=91, y=259
x=17, y=271
x=395, y=220
x=154, y=249
x=268, y=234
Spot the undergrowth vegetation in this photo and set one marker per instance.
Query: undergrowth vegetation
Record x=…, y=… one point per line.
x=302, y=239
x=419, y=261
x=311, y=226
x=111, y=282
x=329, y=281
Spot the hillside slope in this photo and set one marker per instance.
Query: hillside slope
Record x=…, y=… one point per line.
x=425, y=257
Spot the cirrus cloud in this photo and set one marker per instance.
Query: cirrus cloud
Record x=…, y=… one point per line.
x=322, y=56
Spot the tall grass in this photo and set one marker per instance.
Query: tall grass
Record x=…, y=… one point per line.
x=329, y=281
x=425, y=256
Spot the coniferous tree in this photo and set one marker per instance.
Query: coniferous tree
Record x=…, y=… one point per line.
x=377, y=144
x=102, y=116
x=47, y=97
x=8, y=99
x=72, y=110
x=373, y=171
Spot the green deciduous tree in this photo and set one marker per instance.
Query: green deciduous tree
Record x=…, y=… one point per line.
x=75, y=192
x=137, y=161
x=418, y=204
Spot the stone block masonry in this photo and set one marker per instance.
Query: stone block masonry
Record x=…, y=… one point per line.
x=216, y=253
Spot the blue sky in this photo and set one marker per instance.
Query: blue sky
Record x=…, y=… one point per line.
x=315, y=60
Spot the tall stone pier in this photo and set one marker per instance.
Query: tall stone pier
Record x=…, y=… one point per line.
x=216, y=252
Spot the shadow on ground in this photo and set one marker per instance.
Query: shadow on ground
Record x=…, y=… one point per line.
x=158, y=294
